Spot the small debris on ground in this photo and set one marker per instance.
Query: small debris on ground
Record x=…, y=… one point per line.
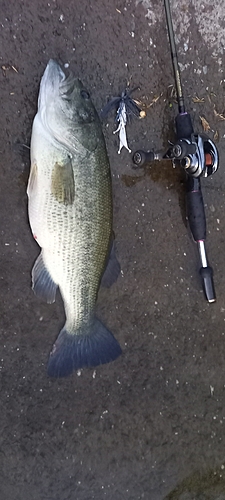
x=218, y=115
x=198, y=100
x=216, y=136
x=7, y=67
x=205, y=124
x=154, y=100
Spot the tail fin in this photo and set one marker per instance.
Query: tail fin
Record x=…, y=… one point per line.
x=90, y=347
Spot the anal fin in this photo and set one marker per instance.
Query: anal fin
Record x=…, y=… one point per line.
x=42, y=283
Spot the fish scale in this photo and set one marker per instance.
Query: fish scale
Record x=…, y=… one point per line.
x=70, y=212
x=87, y=261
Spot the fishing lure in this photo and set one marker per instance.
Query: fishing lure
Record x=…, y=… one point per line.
x=126, y=107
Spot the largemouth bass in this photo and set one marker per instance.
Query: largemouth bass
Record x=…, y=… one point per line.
x=70, y=214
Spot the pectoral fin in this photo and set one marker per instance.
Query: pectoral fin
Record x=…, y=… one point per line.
x=32, y=182
x=42, y=283
x=62, y=183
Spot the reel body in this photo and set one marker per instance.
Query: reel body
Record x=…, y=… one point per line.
x=198, y=155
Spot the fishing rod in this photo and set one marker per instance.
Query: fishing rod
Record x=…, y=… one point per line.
x=198, y=156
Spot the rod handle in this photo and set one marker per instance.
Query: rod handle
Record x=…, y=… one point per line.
x=184, y=128
x=195, y=209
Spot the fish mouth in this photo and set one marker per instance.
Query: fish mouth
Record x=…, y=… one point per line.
x=53, y=71
x=56, y=84
x=51, y=81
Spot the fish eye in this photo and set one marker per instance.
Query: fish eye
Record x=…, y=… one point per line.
x=85, y=94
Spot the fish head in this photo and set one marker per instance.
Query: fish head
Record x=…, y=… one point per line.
x=66, y=108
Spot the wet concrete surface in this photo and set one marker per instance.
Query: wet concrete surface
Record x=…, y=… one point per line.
x=151, y=424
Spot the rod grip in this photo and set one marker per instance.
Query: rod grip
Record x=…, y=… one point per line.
x=195, y=209
x=184, y=128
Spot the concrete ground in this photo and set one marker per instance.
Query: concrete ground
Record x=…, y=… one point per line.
x=151, y=424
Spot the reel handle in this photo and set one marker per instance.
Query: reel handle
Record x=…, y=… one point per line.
x=141, y=157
